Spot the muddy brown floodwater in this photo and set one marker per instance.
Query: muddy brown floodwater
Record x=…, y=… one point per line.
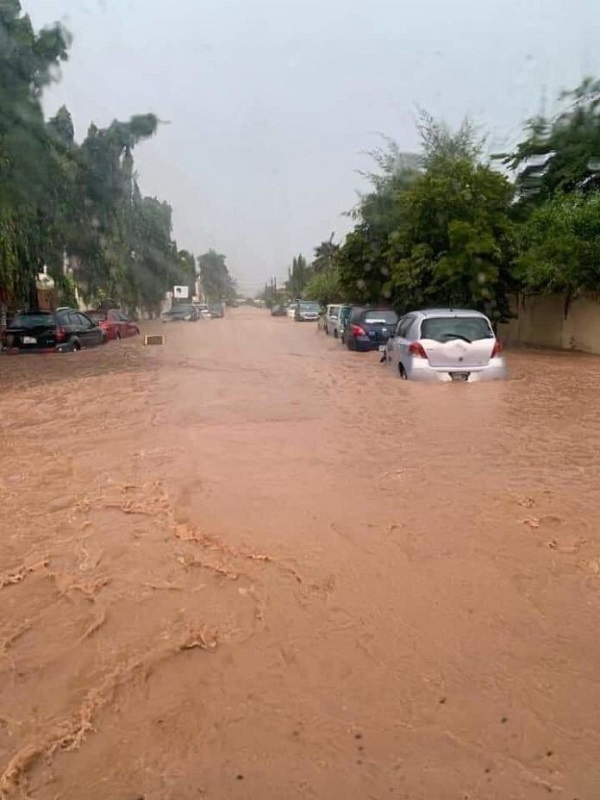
x=252, y=565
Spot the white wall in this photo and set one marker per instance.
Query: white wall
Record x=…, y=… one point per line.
x=541, y=322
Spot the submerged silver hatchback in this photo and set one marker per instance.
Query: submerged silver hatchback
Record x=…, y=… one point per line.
x=444, y=344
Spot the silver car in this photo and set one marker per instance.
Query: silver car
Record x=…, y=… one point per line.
x=307, y=311
x=445, y=344
x=332, y=315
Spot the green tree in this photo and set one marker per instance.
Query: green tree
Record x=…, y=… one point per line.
x=298, y=276
x=326, y=255
x=559, y=246
x=28, y=63
x=324, y=281
x=187, y=270
x=110, y=210
x=217, y=283
x=364, y=272
x=59, y=198
x=452, y=247
x=560, y=154
x=434, y=230
x=324, y=286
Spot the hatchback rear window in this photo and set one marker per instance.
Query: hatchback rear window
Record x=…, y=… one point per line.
x=33, y=320
x=97, y=316
x=444, y=329
x=383, y=317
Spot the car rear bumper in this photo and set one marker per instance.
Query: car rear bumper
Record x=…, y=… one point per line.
x=421, y=370
x=365, y=344
x=33, y=351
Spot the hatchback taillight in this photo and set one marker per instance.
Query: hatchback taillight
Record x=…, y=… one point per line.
x=497, y=351
x=357, y=330
x=61, y=335
x=417, y=350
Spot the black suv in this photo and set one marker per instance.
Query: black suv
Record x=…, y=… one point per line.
x=64, y=330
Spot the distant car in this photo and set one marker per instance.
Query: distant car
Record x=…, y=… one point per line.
x=307, y=311
x=203, y=310
x=278, y=311
x=184, y=312
x=291, y=311
x=342, y=322
x=217, y=310
x=114, y=322
x=332, y=315
x=445, y=345
x=65, y=330
x=369, y=328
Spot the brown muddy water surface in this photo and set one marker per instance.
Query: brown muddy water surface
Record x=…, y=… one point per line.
x=252, y=565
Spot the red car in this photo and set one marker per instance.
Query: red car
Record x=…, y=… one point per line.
x=115, y=323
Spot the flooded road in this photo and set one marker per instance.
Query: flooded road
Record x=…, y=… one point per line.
x=253, y=565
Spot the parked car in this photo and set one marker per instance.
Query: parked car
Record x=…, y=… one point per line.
x=330, y=318
x=114, y=322
x=278, y=311
x=291, y=311
x=182, y=312
x=445, y=345
x=64, y=330
x=342, y=322
x=336, y=317
x=369, y=328
x=203, y=310
x=307, y=311
x=217, y=310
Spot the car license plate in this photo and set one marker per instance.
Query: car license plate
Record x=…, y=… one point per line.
x=29, y=340
x=382, y=348
x=460, y=376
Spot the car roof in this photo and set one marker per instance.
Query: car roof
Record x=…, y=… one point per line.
x=447, y=312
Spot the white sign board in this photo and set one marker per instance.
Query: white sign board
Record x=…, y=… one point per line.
x=181, y=292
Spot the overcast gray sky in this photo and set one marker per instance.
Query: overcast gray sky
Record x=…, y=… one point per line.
x=270, y=103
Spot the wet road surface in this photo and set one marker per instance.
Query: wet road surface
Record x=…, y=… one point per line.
x=252, y=565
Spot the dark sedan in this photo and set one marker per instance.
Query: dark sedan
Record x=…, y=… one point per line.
x=217, y=310
x=183, y=312
x=369, y=328
x=65, y=330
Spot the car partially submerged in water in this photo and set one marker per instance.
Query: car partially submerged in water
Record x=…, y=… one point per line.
x=368, y=328
x=65, y=330
x=216, y=310
x=307, y=311
x=182, y=312
x=445, y=344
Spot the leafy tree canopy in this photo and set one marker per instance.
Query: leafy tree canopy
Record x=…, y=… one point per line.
x=59, y=198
